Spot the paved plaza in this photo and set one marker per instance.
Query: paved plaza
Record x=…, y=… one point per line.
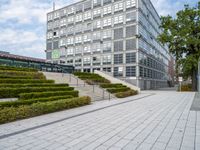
x=157, y=120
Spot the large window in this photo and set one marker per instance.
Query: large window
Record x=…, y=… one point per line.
x=96, y=12
x=131, y=16
x=70, y=51
x=107, y=10
x=131, y=44
x=130, y=3
x=55, y=44
x=87, y=37
x=130, y=71
x=96, y=35
x=118, y=19
x=78, y=39
x=88, y=26
x=107, y=59
x=130, y=31
x=49, y=35
x=118, y=33
x=107, y=46
x=79, y=17
x=79, y=8
x=78, y=50
x=49, y=46
x=86, y=60
x=63, y=22
x=118, y=6
x=130, y=58
x=107, y=22
x=97, y=24
x=96, y=47
x=118, y=71
x=96, y=3
x=78, y=28
x=87, y=5
x=107, y=34
x=71, y=10
x=70, y=40
x=118, y=59
x=62, y=42
x=107, y=1
x=118, y=46
x=70, y=30
x=87, y=49
x=87, y=15
x=70, y=19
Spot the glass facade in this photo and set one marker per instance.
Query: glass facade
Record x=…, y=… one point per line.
x=113, y=34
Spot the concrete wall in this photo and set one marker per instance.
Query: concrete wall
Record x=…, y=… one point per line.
x=115, y=80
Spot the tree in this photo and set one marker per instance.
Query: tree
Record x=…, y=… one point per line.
x=182, y=35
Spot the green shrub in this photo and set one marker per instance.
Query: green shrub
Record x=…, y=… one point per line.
x=20, y=73
x=14, y=92
x=185, y=88
x=117, y=90
x=17, y=68
x=33, y=85
x=31, y=101
x=33, y=95
x=21, y=77
x=24, y=81
x=126, y=94
x=9, y=114
x=107, y=85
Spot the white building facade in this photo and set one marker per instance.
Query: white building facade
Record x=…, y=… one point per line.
x=117, y=36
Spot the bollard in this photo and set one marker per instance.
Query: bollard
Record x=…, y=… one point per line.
x=69, y=77
x=109, y=96
x=93, y=88
x=103, y=94
x=77, y=81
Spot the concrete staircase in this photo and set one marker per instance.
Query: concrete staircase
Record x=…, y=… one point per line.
x=94, y=91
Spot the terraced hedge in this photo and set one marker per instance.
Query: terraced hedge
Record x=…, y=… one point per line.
x=33, y=85
x=18, y=69
x=24, y=81
x=9, y=114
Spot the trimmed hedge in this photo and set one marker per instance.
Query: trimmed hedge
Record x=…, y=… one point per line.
x=33, y=85
x=20, y=73
x=185, y=88
x=21, y=77
x=25, y=96
x=14, y=92
x=24, y=81
x=117, y=85
x=17, y=68
x=31, y=101
x=126, y=94
x=9, y=114
x=117, y=90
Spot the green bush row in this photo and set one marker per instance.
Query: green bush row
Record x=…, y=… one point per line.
x=107, y=85
x=185, y=88
x=9, y=114
x=24, y=81
x=20, y=73
x=31, y=101
x=33, y=95
x=33, y=85
x=126, y=94
x=14, y=92
x=17, y=68
x=21, y=77
x=117, y=90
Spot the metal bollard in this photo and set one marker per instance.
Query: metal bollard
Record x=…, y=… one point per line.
x=93, y=88
x=69, y=77
x=109, y=96
x=77, y=81
x=103, y=94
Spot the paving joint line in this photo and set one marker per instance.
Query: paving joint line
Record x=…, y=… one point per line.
x=73, y=116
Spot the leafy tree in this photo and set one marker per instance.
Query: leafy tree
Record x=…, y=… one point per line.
x=182, y=34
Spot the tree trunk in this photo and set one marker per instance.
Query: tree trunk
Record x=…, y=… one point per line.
x=194, y=80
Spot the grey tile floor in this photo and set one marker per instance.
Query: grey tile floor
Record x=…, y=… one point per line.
x=162, y=121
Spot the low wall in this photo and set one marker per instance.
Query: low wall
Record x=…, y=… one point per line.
x=115, y=80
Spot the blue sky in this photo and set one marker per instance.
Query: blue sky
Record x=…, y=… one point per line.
x=23, y=22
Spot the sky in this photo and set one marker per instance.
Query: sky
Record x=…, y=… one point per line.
x=23, y=22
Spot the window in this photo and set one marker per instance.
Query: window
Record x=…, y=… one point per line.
x=118, y=46
x=131, y=16
x=118, y=71
x=62, y=31
x=55, y=45
x=97, y=24
x=130, y=57
x=70, y=20
x=70, y=40
x=130, y=71
x=48, y=55
x=49, y=35
x=87, y=15
x=49, y=17
x=78, y=39
x=49, y=25
x=56, y=24
x=107, y=10
x=141, y=70
x=78, y=50
x=107, y=34
x=118, y=6
x=87, y=37
x=87, y=49
x=62, y=42
x=96, y=47
x=56, y=14
x=97, y=13
x=49, y=46
x=70, y=61
x=131, y=44
x=70, y=30
x=96, y=3
x=130, y=31
x=78, y=28
x=96, y=60
x=107, y=22
x=87, y=5
x=118, y=33
x=96, y=35
x=86, y=60
x=63, y=22
x=107, y=69
x=130, y=3
x=118, y=19
x=107, y=46
x=79, y=18
x=88, y=26
x=70, y=51
x=107, y=1
x=118, y=58
x=107, y=59
x=71, y=10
